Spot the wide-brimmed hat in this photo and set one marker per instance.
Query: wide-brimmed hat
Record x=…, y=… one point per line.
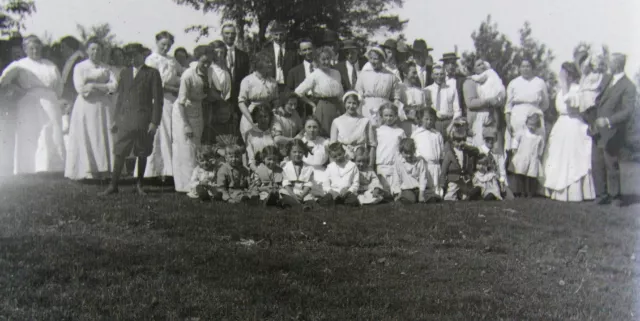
x=390, y=44
x=449, y=56
x=277, y=26
x=420, y=45
x=330, y=36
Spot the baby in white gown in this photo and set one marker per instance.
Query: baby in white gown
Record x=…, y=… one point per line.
x=490, y=84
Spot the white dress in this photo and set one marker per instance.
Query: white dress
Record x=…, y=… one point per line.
x=388, y=139
x=317, y=158
x=377, y=88
x=525, y=97
x=351, y=132
x=192, y=92
x=526, y=160
x=89, y=154
x=255, y=90
x=39, y=141
x=429, y=146
x=567, y=160
x=159, y=163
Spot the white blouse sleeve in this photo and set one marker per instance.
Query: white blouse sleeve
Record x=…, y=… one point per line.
x=307, y=84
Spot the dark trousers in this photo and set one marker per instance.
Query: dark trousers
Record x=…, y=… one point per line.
x=349, y=199
x=606, y=171
x=409, y=196
x=291, y=202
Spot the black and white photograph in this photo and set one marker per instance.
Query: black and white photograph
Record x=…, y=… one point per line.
x=319, y=160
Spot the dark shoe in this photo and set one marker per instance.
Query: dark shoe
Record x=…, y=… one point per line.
x=490, y=197
x=109, y=191
x=603, y=200
x=616, y=203
x=475, y=194
x=140, y=190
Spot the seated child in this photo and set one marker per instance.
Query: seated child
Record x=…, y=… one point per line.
x=388, y=137
x=497, y=160
x=429, y=146
x=526, y=164
x=370, y=190
x=486, y=179
x=203, y=179
x=287, y=117
x=267, y=179
x=260, y=137
x=232, y=181
x=458, y=164
x=491, y=86
x=341, y=179
x=317, y=157
x=297, y=179
x=410, y=175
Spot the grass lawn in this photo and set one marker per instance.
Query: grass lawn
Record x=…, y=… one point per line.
x=68, y=255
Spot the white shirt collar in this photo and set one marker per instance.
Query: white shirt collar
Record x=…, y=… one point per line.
x=616, y=78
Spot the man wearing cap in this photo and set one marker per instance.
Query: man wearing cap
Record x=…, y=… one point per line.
x=137, y=115
x=300, y=72
x=350, y=68
x=283, y=55
x=454, y=78
x=420, y=55
x=444, y=99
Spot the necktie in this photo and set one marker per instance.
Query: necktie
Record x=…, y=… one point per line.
x=438, y=99
x=311, y=68
x=280, y=57
x=354, y=77
x=423, y=76
x=230, y=59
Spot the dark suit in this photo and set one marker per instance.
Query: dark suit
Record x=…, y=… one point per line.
x=615, y=103
x=139, y=104
x=295, y=77
x=344, y=74
x=289, y=60
x=452, y=172
x=241, y=69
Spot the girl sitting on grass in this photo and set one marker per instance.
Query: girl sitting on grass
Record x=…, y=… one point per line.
x=203, y=179
x=267, y=179
x=486, y=178
x=352, y=129
x=317, y=157
x=297, y=179
x=370, y=190
x=410, y=175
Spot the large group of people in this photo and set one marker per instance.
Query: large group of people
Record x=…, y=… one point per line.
x=327, y=122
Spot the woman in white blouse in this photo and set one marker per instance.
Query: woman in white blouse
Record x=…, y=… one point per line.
x=325, y=86
x=188, y=123
x=39, y=143
x=90, y=140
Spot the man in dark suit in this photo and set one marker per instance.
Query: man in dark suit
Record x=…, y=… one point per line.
x=300, y=72
x=350, y=68
x=282, y=54
x=238, y=65
x=608, y=121
x=420, y=55
x=137, y=115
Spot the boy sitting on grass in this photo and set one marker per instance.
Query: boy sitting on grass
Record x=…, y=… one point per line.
x=233, y=179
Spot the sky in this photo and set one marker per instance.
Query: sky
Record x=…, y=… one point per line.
x=560, y=24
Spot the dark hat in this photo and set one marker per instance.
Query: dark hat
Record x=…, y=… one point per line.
x=390, y=44
x=134, y=48
x=420, y=45
x=330, y=36
x=449, y=56
x=349, y=44
x=277, y=26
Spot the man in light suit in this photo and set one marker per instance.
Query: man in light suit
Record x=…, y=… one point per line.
x=608, y=119
x=350, y=68
x=137, y=115
x=300, y=72
x=284, y=56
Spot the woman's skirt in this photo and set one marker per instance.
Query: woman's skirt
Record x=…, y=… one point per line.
x=39, y=141
x=328, y=109
x=185, y=149
x=159, y=163
x=89, y=154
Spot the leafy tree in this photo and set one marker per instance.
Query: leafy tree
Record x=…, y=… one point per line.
x=12, y=15
x=304, y=17
x=103, y=33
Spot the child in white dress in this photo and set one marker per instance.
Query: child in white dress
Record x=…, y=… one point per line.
x=260, y=137
x=352, y=129
x=388, y=137
x=490, y=85
x=429, y=146
x=370, y=190
x=203, y=180
x=342, y=179
x=317, y=157
x=528, y=146
x=297, y=179
x=267, y=179
x=486, y=178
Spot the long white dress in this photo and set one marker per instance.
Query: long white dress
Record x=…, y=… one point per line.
x=567, y=160
x=90, y=140
x=159, y=163
x=377, y=88
x=192, y=92
x=39, y=141
x=523, y=98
